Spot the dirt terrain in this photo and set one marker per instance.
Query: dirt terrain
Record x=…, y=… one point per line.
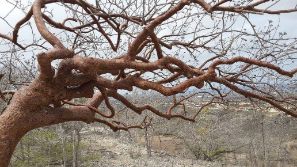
x=236, y=141
x=115, y=151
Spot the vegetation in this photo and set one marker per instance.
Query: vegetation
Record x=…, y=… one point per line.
x=201, y=53
x=44, y=147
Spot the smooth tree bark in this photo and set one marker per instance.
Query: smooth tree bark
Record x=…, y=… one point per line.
x=47, y=100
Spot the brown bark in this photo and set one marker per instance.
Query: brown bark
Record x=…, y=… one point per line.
x=41, y=103
x=29, y=109
x=15, y=122
x=11, y=131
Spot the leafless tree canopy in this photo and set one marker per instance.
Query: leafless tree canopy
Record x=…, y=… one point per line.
x=97, y=49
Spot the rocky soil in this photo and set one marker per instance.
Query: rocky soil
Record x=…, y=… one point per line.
x=117, y=150
x=266, y=141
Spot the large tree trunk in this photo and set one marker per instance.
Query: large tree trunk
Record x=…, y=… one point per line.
x=10, y=134
x=18, y=119
x=29, y=109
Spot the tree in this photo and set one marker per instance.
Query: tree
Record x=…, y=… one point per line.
x=103, y=48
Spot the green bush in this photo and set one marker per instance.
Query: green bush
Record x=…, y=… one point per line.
x=41, y=147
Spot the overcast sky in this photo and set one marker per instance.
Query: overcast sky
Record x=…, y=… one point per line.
x=287, y=22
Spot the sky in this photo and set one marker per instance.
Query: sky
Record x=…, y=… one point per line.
x=287, y=19
x=288, y=22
